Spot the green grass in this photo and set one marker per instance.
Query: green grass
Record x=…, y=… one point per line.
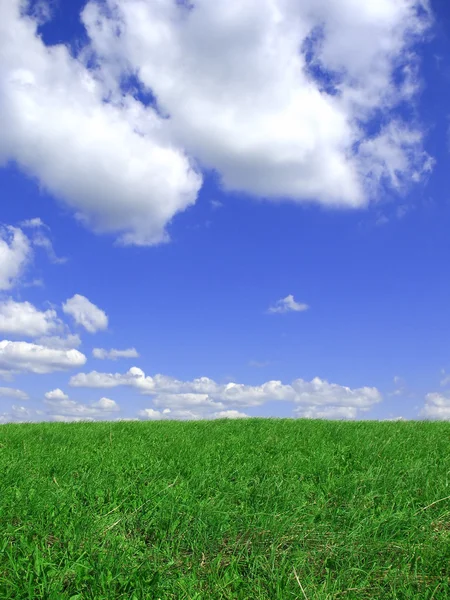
x=253, y=509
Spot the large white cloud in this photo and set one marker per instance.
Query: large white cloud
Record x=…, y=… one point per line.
x=15, y=253
x=85, y=313
x=111, y=161
x=275, y=95
x=17, y=357
x=204, y=397
x=22, y=318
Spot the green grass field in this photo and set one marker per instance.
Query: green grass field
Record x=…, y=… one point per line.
x=249, y=509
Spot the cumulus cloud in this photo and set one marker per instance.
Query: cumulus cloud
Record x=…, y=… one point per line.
x=114, y=354
x=16, y=357
x=203, y=397
x=22, y=318
x=120, y=171
x=85, y=313
x=61, y=407
x=56, y=395
x=287, y=124
x=15, y=254
x=151, y=414
x=269, y=93
x=437, y=406
x=287, y=304
x=6, y=392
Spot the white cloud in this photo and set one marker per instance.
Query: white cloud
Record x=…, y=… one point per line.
x=60, y=405
x=203, y=397
x=70, y=419
x=216, y=204
x=151, y=414
x=230, y=414
x=327, y=412
x=291, y=121
x=111, y=161
x=190, y=415
x=42, y=241
x=437, y=406
x=400, y=386
x=16, y=357
x=85, y=313
x=114, y=354
x=15, y=254
x=22, y=318
x=273, y=130
x=56, y=395
x=35, y=223
x=21, y=413
x=58, y=342
x=187, y=401
x=6, y=392
x=287, y=304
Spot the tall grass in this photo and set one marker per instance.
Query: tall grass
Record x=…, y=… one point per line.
x=252, y=509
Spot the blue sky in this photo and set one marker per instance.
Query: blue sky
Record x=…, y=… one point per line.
x=172, y=174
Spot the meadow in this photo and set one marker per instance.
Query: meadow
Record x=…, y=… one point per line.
x=249, y=509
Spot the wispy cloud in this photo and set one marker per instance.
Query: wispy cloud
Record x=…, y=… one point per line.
x=287, y=304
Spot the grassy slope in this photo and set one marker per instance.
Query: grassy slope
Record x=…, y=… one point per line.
x=225, y=509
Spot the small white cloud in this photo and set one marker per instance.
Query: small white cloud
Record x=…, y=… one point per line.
x=70, y=419
x=114, y=354
x=437, y=406
x=22, y=318
x=42, y=241
x=85, y=313
x=58, y=342
x=327, y=412
x=16, y=357
x=400, y=387
x=106, y=404
x=60, y=403
x=6, y=392
x=287, y=304
x=15, y=254
x=35, y=223
x=445, y=378
x=22, y=413
x=216, y=204
x=151, y=414
x=230, y=414
x=56, y=394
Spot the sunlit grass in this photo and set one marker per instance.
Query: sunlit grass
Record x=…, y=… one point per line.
x=250, y=509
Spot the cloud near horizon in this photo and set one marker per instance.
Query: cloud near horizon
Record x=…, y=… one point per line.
x=205, y=396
